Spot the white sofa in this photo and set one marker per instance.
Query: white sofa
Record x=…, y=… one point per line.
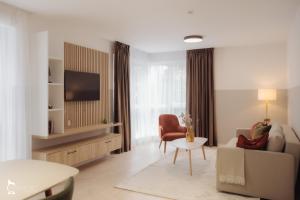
x=268, y=174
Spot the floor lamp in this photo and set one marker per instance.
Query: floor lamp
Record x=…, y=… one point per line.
x=267, y=95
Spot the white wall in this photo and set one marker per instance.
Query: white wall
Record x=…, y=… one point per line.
x=294, y=73
x=239, y=72
x=88, y=36
x=168, y=56
x=251, y=67
x=139, y=55
x=60, y=32
x=294, y=52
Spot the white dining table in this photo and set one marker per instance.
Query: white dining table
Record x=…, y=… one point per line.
x=22, y=179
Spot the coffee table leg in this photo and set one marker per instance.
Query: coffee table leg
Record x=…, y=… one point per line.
x=190, y=158
x=176, y=152
x=203, y=152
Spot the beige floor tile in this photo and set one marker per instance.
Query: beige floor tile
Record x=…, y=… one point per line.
x=96, y=180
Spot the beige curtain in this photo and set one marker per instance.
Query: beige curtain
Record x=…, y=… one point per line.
x=200, y=93
x=122, y=92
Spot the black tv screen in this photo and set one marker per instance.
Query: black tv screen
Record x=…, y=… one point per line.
x=81, y=86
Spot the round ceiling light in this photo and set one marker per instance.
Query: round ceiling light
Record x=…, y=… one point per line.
x=193, y=38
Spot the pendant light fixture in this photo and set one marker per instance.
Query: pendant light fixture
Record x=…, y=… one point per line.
x=193, y=38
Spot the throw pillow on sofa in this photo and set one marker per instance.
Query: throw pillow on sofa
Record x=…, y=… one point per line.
x=259, y=129
x=276, y=138
x=256, y=144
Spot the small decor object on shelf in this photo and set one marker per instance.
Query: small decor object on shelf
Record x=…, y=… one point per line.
x=50, y=106
x=50, y=126
x=187, y=120
x=49, y=74
x=104, y=121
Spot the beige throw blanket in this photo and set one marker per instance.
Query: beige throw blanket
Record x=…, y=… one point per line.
x=230, y=165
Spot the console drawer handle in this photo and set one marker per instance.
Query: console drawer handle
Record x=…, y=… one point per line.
x=108, y=141
x=71, y=152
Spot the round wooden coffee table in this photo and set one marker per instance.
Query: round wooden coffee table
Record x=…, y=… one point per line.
x=189, y=146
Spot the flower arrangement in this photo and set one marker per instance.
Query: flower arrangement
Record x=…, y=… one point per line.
x=187, y=120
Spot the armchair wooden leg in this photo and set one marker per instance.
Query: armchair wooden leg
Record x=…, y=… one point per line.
x=165, y=147
x=203, y=152
x=160, y=144
x=175, y=156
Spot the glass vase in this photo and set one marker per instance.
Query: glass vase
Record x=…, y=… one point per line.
x=190, y=135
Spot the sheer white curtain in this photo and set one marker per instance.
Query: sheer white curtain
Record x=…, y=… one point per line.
x=158, y=86
x=13, y=63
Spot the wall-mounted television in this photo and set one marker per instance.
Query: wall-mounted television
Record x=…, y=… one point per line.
x=81, y=86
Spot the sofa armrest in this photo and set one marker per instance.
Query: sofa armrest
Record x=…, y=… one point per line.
x=273, y=173
x=269, y=175
x=243, y=131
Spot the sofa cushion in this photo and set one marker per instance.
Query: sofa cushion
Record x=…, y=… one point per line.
x=276, y=138
x=259, y=129
x=257, y=144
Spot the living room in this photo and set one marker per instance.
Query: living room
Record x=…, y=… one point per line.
x=149, y=99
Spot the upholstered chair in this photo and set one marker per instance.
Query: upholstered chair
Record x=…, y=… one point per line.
x=170, y=129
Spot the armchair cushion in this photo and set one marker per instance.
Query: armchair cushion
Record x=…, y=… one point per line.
x=172, y=136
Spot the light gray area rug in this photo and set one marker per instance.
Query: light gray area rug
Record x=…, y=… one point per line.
x=163, y=179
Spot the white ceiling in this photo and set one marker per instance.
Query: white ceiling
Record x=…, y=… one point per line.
x=160, y=25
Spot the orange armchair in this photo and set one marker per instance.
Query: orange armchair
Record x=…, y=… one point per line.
x=170, y=129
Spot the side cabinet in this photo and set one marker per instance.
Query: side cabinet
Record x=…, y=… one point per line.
x=77, y=153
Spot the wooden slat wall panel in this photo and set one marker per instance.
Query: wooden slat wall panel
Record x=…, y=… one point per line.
x=86, y=113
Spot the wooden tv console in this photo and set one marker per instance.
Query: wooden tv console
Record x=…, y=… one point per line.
x=80, y=152
x=69, y=120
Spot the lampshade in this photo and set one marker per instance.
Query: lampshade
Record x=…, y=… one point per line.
x=267, y=94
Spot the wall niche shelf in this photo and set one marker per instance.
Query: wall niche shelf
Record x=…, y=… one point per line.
x=55, y=109
x=55, y=58
x=77, y=131
x=55, y=84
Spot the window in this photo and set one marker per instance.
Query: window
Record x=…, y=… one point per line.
x=157, y=87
